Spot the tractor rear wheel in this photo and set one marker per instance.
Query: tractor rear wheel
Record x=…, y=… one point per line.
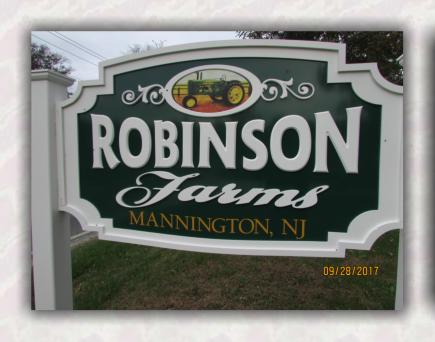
x=189, y=102
x=234, y=94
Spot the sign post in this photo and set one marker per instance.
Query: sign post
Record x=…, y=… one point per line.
x=51, y=251
x=400, y=279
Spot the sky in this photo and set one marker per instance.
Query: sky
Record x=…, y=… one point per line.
x=110, y=44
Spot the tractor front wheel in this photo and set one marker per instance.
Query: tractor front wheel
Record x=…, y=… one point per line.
x=189, y=102
x=234, y=94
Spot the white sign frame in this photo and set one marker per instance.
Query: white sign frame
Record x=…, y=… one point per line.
x=366, y=82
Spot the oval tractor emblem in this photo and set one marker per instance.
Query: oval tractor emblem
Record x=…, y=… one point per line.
x=212, y=90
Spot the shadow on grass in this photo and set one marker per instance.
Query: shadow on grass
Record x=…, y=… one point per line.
x=109, y=275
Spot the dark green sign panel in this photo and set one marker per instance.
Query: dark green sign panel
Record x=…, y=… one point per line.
x=268, y=153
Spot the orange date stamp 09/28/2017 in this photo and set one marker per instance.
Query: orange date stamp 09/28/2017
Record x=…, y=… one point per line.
x=350, y=270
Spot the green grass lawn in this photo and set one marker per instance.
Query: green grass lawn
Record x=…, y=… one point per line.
x=109, y=275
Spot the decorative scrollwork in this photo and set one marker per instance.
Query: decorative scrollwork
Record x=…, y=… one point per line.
x=270, y=91
x=149, y=94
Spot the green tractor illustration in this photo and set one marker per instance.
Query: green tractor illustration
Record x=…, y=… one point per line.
x=231, y=93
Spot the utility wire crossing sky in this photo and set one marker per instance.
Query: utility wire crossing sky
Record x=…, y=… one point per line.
x=85, y=49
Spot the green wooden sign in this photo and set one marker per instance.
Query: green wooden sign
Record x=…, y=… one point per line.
x=241, y=147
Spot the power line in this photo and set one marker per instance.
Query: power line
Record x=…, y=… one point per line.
x=77, y=45
x=57, y=47
x=85, y=47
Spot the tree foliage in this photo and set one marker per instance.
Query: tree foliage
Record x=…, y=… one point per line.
x=138, y=48
x=43, y=58
x=383, y=47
